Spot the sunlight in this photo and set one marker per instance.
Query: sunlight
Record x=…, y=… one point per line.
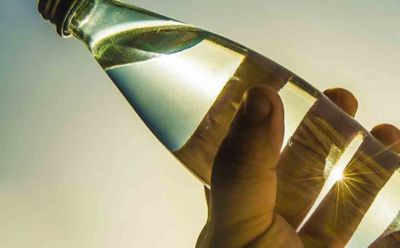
x=335, y=174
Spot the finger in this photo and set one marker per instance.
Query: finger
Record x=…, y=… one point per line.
x=389, y=241
x=344, y=99
x=301, y=169
x=200, y=150
x=389, y=135
x=341, y=211
x=243, y=181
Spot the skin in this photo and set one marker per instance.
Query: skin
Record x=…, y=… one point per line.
x=241, y=202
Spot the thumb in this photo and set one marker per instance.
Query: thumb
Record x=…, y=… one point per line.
x=243, y=181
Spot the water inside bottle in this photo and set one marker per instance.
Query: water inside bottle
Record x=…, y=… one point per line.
x=186, y=84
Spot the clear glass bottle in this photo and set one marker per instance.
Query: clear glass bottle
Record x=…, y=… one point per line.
x=186, y=84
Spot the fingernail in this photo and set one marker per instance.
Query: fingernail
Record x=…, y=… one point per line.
x=257, y=106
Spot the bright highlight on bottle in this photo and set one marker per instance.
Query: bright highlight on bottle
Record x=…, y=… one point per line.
x=335, y=175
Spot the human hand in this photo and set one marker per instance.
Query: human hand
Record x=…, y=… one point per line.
x=242, y=201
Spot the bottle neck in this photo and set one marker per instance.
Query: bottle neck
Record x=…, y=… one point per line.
x=93, y=20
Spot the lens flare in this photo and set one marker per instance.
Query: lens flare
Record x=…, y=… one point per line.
x=336, y=176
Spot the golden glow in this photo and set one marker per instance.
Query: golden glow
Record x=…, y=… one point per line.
x=205, y=70
x=336, y=176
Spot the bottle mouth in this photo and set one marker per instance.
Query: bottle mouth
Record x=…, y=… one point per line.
x=57, y=12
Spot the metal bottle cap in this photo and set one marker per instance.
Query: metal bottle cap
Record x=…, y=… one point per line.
x=56, y=11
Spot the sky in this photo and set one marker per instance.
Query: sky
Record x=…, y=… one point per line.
x=78, y=168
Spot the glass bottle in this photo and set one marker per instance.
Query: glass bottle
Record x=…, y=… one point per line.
x=186, y=84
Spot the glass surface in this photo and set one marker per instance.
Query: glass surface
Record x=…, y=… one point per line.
x=187, y=83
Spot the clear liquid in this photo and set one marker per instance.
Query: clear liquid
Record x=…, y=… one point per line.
x=186, y=84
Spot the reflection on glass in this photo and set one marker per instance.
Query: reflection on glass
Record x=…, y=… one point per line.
x=186, y=84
